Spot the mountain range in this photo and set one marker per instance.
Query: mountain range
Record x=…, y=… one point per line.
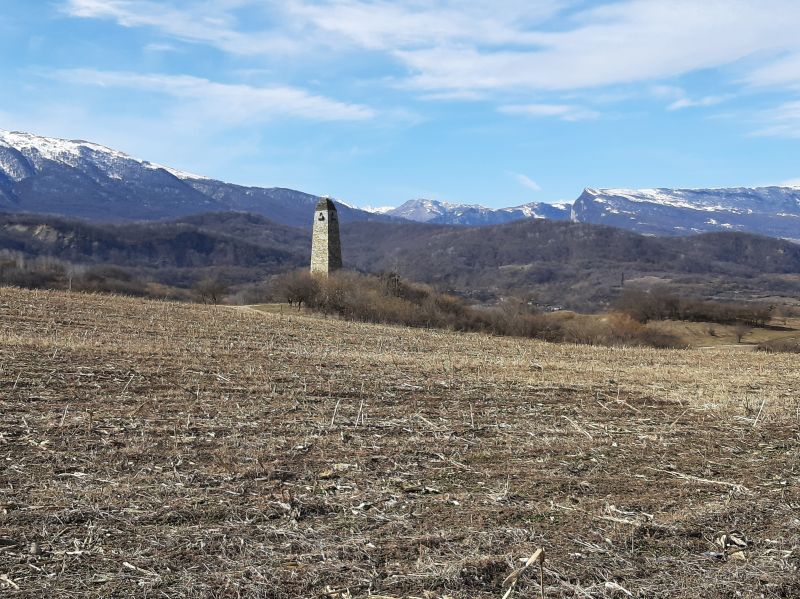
x=772, y=211
x=444, y=213
x=86, y=180
x=82, y=179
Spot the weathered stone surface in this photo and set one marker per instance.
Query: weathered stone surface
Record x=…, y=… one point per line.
x=326, y=246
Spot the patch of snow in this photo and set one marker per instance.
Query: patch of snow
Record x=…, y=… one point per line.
x=172, y=171
x=73, y=152
x=738, y=200
x=378, y=209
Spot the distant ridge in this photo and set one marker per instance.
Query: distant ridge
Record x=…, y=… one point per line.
x=772, y=211
x=445, y=213
x=82, y=179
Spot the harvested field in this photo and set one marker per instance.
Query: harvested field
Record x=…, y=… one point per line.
x=169, y=450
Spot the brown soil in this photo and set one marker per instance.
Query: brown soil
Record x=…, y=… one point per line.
x=156, y=449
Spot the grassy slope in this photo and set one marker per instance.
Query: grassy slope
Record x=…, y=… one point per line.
x=709, y=334
x=151, y=448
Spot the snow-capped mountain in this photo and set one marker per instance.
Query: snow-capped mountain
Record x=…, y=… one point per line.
x=77, y=153
x=87, y=180
x=378, y=209
x=445, y=213
x=772, y=211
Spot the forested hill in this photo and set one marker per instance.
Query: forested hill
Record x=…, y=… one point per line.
x=568, y=264
x=576, y=264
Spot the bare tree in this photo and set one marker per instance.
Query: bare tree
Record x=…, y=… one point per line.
x=210, y=290
x=740, y=330
x=297, y=287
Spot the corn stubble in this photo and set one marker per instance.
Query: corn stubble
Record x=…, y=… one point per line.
x=156, y=449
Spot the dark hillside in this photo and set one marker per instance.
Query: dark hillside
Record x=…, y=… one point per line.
x=567, y=264
x=574, y=264
x=173, y=253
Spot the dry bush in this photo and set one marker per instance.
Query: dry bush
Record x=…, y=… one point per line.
x=582, y=329
x=387, y=300
x=616, y=330
x=47, y=272
x=159, y=291
x=663, y=304
x=253, y=293
x=297, y=287
x=787, y=346
x=210, y=290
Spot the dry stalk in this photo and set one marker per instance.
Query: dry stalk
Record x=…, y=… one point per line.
x=222, y=470
x=536, y=558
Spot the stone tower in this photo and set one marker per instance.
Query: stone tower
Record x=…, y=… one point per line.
x=326, y=247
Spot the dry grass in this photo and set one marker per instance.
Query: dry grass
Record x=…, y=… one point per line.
x=169, y=450
x=709, y=334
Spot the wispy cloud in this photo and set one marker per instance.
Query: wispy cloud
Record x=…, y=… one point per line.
x=474, y=45
x=617, y=43
x=696, y=103
x=679, y=98
x=473, y=50
x=226, y=103
x=526, y=181
x=212, y=23
x=390, y=25
x=784, y=72
x=783, y=121
x=566, y=112
x=160, y=48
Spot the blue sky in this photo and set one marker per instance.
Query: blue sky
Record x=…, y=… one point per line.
x=376, y=102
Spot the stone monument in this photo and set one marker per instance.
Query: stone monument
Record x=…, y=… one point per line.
x=326, y=247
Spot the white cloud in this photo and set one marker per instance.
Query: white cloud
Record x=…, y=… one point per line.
x=454, y=95
x=160, y=48
x=784, y=72
x=212, y=23
x=783, y=121
x=476, y=50
x=667, y=91
x=473, y=45
x=681, y=103
x=566, y=112
x=680, y=99
x=226, y=103
x=390, y=25
x=623, y=42
x=526, y=181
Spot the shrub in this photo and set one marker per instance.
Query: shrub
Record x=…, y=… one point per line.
x=662, y=304
x=616, y=329
x=789, y=346
x=210, y=290
x=388, y=300
x=297, y=287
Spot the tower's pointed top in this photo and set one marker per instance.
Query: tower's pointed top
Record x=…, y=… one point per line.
x=325, y=203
